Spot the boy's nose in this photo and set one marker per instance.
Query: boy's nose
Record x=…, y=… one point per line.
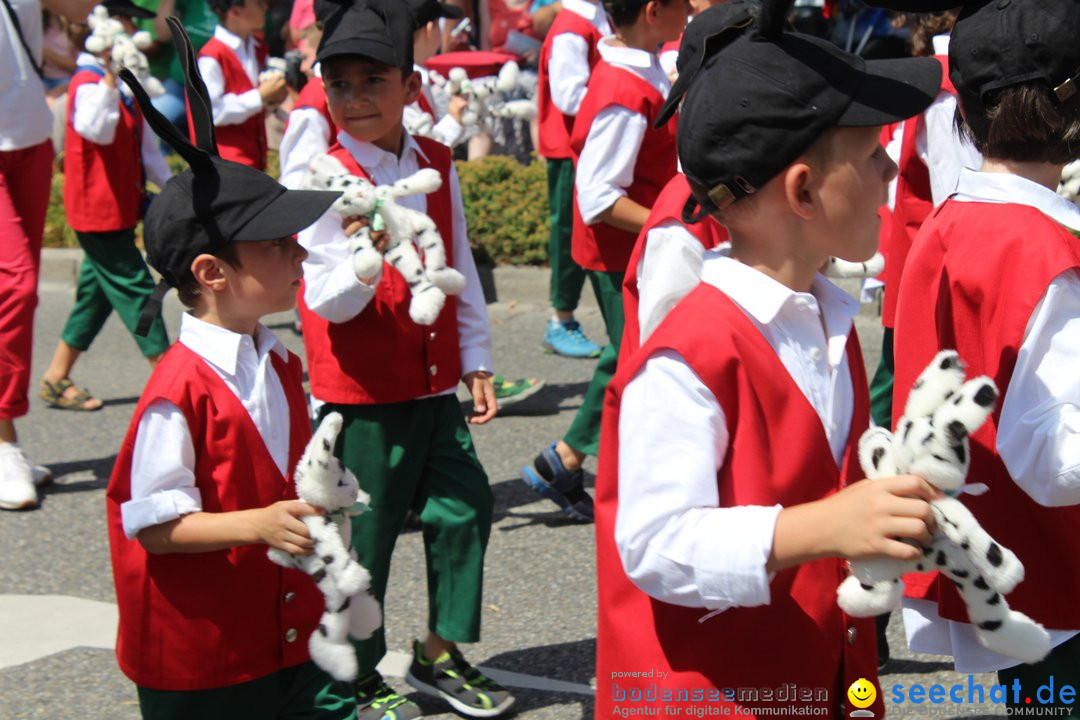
x=300, y=251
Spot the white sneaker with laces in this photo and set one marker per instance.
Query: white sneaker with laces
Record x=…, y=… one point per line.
x=18, y=478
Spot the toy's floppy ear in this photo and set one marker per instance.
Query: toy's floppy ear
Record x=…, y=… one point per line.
x=773, y=18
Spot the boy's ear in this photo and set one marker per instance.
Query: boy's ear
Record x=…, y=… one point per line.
x=799, y=190
x=208, y=272
x=412, y=88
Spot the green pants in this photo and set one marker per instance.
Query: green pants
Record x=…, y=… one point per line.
x=420, y=453
x=113, y=276
x=567, y=277
x=302, y=692
x=584, y=432
x=1062, y=665
x=881, y=385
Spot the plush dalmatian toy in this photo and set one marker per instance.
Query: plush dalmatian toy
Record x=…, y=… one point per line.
x=931, y=441
x=351, y=611
x=107, y=33
x=431, y=280
x=488, y=97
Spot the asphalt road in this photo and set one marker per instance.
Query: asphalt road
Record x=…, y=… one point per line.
x=539, y=587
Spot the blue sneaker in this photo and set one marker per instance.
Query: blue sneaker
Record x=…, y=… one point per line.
x=568, y=340
x=549, y=477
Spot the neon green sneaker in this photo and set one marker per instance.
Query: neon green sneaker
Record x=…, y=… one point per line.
x=453, y=679
x=508, y=392
x=375, y=700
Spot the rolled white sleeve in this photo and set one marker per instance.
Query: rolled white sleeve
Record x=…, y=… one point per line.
x=474, y=330
x=448, y=131
x=1039, y=431
x=227, y=108
x=331, y=288
x=96, y=112
x=675, y=543
x=162, y=470
x=157, y=170
x=306, y=136
x=606, y=166
x=568, y=72
x=669, y=269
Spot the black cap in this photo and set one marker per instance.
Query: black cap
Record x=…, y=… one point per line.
x=126, y=8
x=703, y=37
x=215, y=202
x=424, y=11
x=1007, y=42
x=762, y=99
x=381, y=30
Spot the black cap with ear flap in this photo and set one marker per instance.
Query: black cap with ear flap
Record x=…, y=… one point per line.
x=773, y=18
x=215, y=202
x=704, y=36
x=326, y=9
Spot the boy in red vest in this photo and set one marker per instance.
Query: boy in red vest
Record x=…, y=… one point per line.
x=209, y=626
x=230, y=63
x=622, y=163
x=110, y=152
x=567, y=58
x=727, y=499
x=995, y=273
x=394, y=381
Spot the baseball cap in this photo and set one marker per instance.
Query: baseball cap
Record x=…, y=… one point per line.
x=381, y=30
x=424, y=11
x=760, y=100
x=126, y=8
x=1000, y=43
x=214, y=202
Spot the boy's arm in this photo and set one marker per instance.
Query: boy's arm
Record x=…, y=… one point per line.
x=568, y=71
x=1039, y=430
x=227, y=108
x=157, y=170
x=306, y=135
x=474, y=330
x=96, y=112
x=606, y=168
x=668, y=270
x=331, y=288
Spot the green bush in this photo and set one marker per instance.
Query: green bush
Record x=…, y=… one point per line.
x=506, y=209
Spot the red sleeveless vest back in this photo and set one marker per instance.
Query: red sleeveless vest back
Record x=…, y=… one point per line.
x=555, y=128
x=244, y=143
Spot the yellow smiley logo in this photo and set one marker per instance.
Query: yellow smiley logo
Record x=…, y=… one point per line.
x=862, y=693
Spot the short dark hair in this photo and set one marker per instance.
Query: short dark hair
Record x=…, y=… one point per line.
x=221, y=8
x=626, y=12
x=188, y=287
x=1023, y=123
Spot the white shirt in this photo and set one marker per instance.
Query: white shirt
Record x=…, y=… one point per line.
x=446, y=129
x=307, y=134
x=606, y=166
x=676, y=543
x=332, y=289
x=1038, y=435
x=163, y=461
x=97, y=113
x=230, y=108
x=568, y=65
x=25, y=119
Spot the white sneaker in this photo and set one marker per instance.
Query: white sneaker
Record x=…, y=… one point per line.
x=17, y=479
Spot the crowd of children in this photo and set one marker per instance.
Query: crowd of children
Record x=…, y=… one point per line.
x=701, y=193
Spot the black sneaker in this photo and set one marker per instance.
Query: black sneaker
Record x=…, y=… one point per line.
x=452, y=678
x=375, y=700
x=549, y=477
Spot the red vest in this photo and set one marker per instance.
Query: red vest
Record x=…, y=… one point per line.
x=313, y=95
x=555, y=128
x=244, y=143
x=668, y=206
x=914, y=203
x=205, y=620
x=972, y=281
x=381, y=355
x=778, y=453
x=103, y=184
x=601, y=246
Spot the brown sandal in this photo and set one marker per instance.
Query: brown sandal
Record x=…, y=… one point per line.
x=53, y=395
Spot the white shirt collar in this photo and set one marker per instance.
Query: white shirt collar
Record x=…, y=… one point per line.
x=584, y=8
x=221, y=347
x=975, y=186
x=621, y=55
x=232, y=40
x=763, y=298
x=941, y=44
x=370, y=156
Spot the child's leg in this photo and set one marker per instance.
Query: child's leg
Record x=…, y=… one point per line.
x=584, y=433
x=567, y=277
x=456, y=517
x=1062, y=664
x=126, y=283
x=87, y=316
